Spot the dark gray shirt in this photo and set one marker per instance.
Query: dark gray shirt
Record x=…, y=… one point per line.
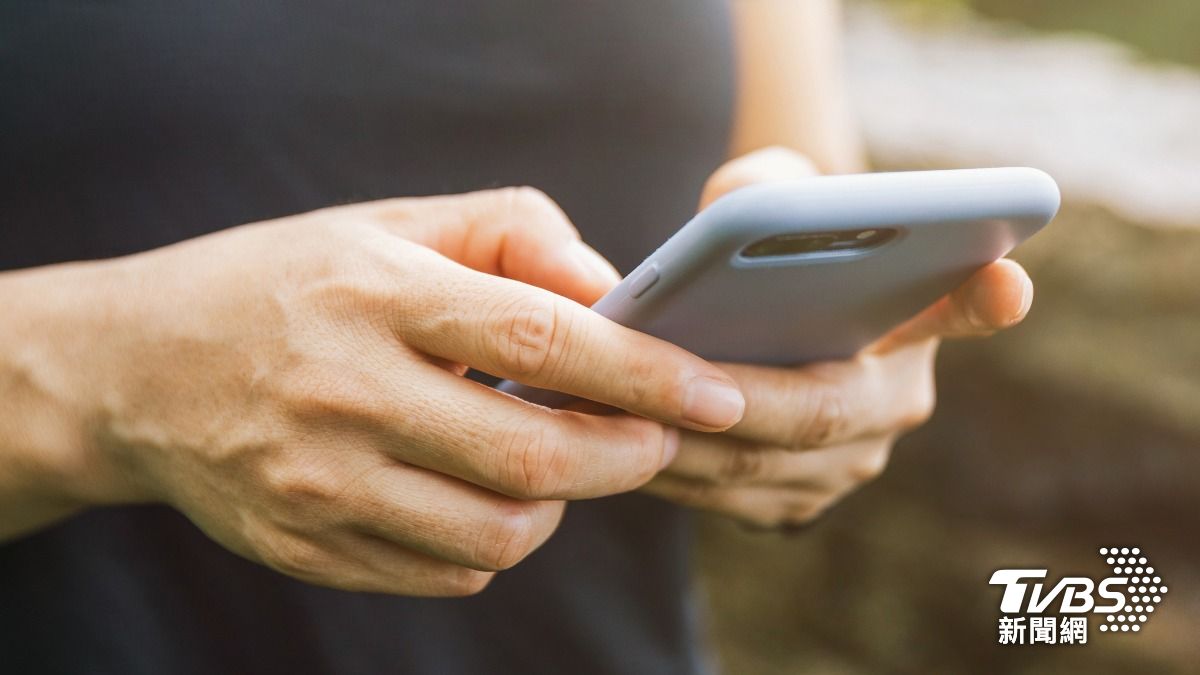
x=130, y=125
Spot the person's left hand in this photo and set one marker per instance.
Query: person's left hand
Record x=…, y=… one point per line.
x=810, y=435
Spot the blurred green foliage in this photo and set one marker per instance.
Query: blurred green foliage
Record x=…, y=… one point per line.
x=1162, y=29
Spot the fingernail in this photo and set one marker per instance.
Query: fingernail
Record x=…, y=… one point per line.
x=712, y=403
x=670, y=446
x=1026, y=298
x=592, y=264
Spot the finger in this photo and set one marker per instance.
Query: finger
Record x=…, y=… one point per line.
x=364, y=563
x=518, y=233
x=996, y=297
x=761, y=506
x=722, y=460
x=835, y=402
x=416, y=412
x=449, y=519
x=473, y=432
x=514, y=331
x=768, y=164
x=392, y=568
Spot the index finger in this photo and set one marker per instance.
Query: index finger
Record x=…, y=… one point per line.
x=515, y=331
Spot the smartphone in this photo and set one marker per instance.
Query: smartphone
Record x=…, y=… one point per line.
x=792, y=272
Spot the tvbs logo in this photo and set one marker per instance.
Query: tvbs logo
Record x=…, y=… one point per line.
x=1057, y=614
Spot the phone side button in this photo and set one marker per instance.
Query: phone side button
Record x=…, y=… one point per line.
x=647, y=277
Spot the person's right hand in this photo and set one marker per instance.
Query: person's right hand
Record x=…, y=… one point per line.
x=295, y=387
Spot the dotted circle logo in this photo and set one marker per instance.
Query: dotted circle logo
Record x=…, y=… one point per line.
x=1146, y=589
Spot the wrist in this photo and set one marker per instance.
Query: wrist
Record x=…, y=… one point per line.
x=50, y=352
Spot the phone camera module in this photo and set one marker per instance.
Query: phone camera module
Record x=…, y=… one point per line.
x=818, y=243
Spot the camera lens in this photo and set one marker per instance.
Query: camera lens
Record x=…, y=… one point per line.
x=802, y=243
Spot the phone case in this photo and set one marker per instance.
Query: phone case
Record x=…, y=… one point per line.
x=699, y=292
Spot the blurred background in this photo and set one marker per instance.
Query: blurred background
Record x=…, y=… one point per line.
x=1076, y=430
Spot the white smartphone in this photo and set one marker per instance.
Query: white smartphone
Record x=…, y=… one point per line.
x=798, y=271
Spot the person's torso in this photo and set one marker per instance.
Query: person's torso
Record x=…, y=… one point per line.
x=130, y=125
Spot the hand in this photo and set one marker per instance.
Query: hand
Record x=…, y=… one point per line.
x=811, y=435
x=294, y=387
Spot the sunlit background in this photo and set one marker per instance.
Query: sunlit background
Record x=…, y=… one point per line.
x=1077, y=430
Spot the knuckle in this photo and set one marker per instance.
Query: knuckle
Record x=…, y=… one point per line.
x=294, y=557
x=794, y=163
x=650, y=440
x=506, y=538
x=699, y=494
x=529, y=198
x=871, y=466
x=534, y=206
x=822, y=417
x=727, y=178
x=797, y=517
x=799, y=512
x=771, y=162
x=644, y=382
x=535, y=463
x=921, y=407
x=719, y=182
x=300, y=481
x=463, y=581
x=647, y=441
x=735, y=173
x=327, y=390
x=527, y=336
x=760, y=516
x=741, y=465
